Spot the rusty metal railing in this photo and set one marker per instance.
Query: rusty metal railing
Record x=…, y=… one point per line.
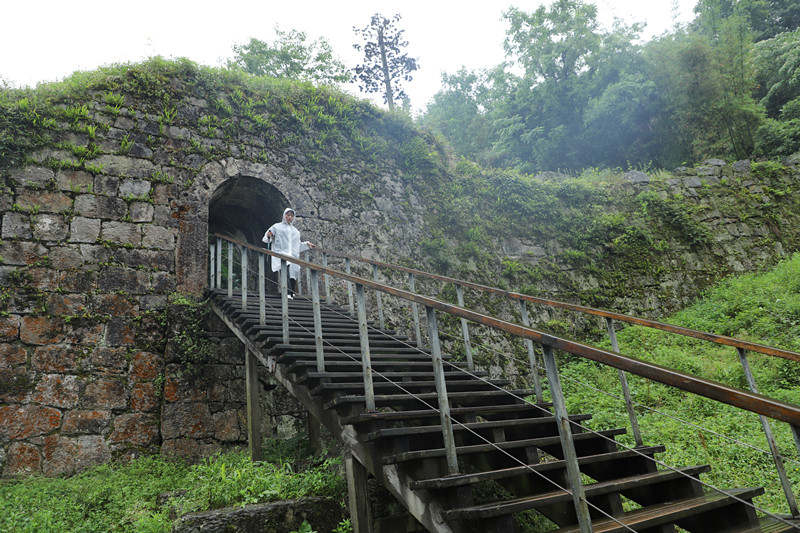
x=751, y=400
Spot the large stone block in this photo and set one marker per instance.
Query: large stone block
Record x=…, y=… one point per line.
x=186, y=420
x=16, y=226
x=41, y=330
x=111, y=361
x=36, y=177
x=104, y=393
x=144, y=397
x=106, y=185
x=22, y=459
x=84, y=229
x=145, y=366
x=141, y=212
x=124, y=279
x=277, y=517
x=135, y=429
x=227, y=427
x=158, y=237
x=121, y=233
x=120, y=332
x=114, y=305
x=9, y=328
x=80, y=422
x=56, y=358
x=134, y=188
x=21, y=252
x=65, y=456
x=48, y=227
x=24, y=421
x=44, y=201
x=105, y=207
x=76, y=181
x=12, y=355
x=66, y=257
x=122, y=166
x=150, y=259
x=57, y=390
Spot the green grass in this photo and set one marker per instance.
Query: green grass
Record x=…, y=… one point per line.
x=123, y=497
x=763, y=308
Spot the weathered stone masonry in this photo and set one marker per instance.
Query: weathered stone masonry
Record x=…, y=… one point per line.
x=91, y=255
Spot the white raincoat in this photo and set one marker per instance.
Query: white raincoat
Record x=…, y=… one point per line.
x=286, y=240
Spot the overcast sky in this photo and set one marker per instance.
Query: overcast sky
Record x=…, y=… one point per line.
x=46, y=40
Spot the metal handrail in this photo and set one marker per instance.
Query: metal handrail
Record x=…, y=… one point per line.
x=749, y=401
x=671, y=328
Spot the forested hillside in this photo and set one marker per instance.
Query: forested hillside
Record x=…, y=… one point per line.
x=572, y=94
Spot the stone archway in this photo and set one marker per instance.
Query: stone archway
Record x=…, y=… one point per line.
x=243, y=207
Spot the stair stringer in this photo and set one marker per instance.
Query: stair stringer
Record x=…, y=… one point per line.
x=426, y=510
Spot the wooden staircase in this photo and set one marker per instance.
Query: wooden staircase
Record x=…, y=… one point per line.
x=509, y=451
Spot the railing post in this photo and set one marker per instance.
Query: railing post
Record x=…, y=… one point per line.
x=378, y=299
x=537, y=382
x=244, y=278
x=317, y=320
x=567, y=445
x=626, y=392
x=412, y=286
x=327, y=280
x=366, y=364
x=776, y=454
x=350, y=304
x=212, y=266
x=441, y=393
x=465, y=329
x=300, y=282
x=796, y=434
x=230, y=269
x=262, y=293
x=285, y=300
x=309, y=258
x=253, y=387
x=218, y=273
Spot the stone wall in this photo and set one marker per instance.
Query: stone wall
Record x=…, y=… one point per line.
x=104, y=221
x=94, y=245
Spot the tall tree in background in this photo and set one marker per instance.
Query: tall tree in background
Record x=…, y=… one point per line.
x=386, y=63
x=290, y=55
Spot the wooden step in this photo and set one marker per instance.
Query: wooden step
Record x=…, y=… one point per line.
x=475, y=426
x=479, y=410
x=395, y=376
x=667, y=513
x=309, y=346
x=398, y=386
x=378, y=365
x=460, y=480
x=769, y=525
x=505, y=445
x=388, y=399
x=288, y=357
x=518, y=505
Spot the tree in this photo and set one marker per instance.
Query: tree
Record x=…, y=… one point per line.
x=458, y=112
x=386, y=65
x=290, y=55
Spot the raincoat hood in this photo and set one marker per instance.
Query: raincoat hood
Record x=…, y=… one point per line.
x=284, y=214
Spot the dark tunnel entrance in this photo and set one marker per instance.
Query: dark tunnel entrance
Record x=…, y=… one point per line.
x=244, y=207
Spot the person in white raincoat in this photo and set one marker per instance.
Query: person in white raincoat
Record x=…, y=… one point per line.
x=285, y=240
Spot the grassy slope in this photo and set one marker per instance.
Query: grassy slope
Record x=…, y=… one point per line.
x=114, y=497
x=763, y=308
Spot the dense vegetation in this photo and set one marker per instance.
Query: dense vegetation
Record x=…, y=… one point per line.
x=125, y=497
x=572, y=94
x=763, y=308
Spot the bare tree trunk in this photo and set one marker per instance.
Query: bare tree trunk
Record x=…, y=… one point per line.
x=385, y=68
